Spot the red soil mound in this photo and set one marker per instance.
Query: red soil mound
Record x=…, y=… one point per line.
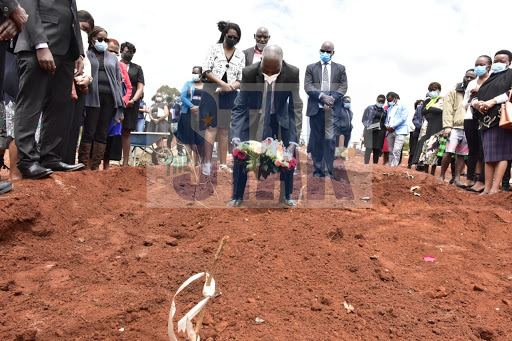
x=82, y=256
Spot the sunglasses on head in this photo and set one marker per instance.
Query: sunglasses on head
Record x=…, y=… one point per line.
x=101, y=39
x=326, y=51
x=233, y=37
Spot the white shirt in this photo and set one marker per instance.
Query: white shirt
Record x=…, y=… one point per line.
x=465, y=102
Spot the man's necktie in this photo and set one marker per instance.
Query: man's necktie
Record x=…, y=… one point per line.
x=325, y=79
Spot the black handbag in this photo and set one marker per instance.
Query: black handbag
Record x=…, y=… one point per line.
x=375, y=126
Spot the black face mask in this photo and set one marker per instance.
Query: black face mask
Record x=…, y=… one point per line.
x=231, y=42
x=127, y=56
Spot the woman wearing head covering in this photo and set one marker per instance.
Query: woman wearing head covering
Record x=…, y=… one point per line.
x=222, y=70
x=497, y=142
x=432, y=112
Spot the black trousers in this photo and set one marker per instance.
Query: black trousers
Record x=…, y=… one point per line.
x=368, y=154
x=322, y=149
x=476, y=151
x=3, y=51
x=286, y=178
x=70, y=141
x=97, y=120
x=42, y=92
x=506, y=177
x=413, y=142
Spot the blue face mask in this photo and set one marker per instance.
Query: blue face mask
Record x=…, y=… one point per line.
x=391, y=104
x=480, y=70
x=100, y=47
x=433, y=94
x=380, y=105
x=325, y=57
x=347, y=105
x=498, y=67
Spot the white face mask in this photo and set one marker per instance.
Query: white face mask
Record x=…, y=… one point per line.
x=271, y=79
x=195, y=77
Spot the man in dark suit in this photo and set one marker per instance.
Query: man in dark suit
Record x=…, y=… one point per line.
x=50, y=53
x=268, y=105
x=253, y=54
x=12, y=21
x=326, y=84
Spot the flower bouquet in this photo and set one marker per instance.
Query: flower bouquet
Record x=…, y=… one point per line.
x=264, y=158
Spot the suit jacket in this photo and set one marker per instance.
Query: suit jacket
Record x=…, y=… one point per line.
x=249, y=56
x=313, y=86
x=7, y=6
x=245, y=117
x=54, y=22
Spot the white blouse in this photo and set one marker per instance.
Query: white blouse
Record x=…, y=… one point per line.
x=217, y=63
x=465, y=103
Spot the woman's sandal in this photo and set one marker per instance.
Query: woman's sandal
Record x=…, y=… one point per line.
x=471, y=189
x=460, y=185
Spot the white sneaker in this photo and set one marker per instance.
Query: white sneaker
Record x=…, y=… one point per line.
x=225, y=167
x=207, y=169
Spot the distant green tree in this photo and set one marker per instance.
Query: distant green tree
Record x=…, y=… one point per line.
x=167, y=91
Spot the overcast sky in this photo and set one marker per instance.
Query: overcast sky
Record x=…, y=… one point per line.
x=393, y=45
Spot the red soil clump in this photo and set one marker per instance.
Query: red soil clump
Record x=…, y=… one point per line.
x=90, y=256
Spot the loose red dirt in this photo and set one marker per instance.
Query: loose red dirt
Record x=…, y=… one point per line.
x=84, y=256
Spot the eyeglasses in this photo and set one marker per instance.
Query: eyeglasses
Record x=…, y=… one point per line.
x=101, y=39
x=260, y=36
x=232, y=37
x=326, y=51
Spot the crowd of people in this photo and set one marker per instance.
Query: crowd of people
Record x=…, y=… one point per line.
x=77, y=91
x=461, y=129
x=67, y=88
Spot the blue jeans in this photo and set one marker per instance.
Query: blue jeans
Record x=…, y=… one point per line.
x=140, y=125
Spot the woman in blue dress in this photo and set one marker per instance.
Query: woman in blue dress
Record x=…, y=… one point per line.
x=188, y=125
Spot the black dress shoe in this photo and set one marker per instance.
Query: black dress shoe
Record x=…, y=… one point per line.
x=505, y=189
x=64, y=167
x=288, y=202
x=5, y=186
x=34, y=171
x=235, y=203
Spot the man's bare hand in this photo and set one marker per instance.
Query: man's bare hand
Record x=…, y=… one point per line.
x=328, y=100
x=82, y=82
x=8, y=30
x=45, y=59
x=20, y=17
x=291, y=148
x=79, y=66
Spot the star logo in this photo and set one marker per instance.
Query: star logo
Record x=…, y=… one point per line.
x=207, y=121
